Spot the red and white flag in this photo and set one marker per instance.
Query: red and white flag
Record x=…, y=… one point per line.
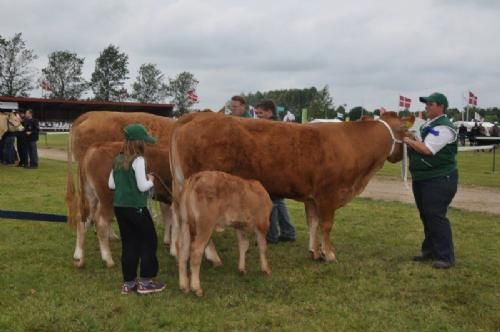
x=404, y=102
x=472, y=99
x=192, y=96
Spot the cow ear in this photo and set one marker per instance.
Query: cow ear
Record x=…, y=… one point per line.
x=409, y=121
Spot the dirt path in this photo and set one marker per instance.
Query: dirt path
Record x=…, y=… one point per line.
x=477, y=199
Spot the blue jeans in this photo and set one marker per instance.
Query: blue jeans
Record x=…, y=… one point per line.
x=32, y=153
x=280, y=217
x=433, y=196
x=9, y=152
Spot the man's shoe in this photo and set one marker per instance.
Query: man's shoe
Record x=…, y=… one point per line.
x=442, y=265
x=150, y=287
x=286, y=239
x=422, y=258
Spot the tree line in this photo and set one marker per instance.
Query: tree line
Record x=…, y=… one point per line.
x=62, y=78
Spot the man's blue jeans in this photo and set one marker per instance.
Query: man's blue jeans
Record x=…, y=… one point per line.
x=280, y=218
x=433, y=196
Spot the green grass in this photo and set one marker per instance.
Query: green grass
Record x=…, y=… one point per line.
x=57, y=141
x=373, y=287
x=475, y=169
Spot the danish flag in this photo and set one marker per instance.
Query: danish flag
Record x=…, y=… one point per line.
x=472, y=99
x=404, y=102
x=192, y=96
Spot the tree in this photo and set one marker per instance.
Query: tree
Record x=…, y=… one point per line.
x=149, y=86
x=321, y=105
x=178, y=89
x=108, y=78
x=16, y=75
x=64, y=75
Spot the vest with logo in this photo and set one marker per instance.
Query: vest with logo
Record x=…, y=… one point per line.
x=442, y=163
x=126, y=192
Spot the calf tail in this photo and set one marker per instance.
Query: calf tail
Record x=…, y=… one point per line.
x=71, y=198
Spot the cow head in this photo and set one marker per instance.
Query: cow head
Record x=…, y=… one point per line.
x=14, y=122
x=399, y=127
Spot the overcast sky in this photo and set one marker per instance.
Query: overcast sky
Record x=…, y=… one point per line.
x=367, y=52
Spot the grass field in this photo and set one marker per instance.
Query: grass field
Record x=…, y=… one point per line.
x=373, y=287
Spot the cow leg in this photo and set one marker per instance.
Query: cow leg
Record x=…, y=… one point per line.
x=262, y=243
x=243, y=245
x=197, y=247
x=312, y=222
x=212, y=255
x=326, y=244
x=79, y=254
x=103, y=227
x=166, y=213
x=184, y=244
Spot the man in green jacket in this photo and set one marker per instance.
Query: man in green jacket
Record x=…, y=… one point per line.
x=433, y=167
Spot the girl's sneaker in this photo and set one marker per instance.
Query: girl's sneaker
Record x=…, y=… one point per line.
x=149, y=287
x=127, y=288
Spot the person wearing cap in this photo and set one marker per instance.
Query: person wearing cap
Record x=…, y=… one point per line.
x=138, y=235
x=433, y=167
x=280, y=227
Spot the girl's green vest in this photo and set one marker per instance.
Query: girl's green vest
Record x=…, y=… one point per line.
x=442, y=163
x=126, y=192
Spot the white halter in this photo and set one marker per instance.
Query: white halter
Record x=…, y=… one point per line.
x=394, y=139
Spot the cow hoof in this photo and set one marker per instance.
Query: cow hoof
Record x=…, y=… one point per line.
x=185, y=290
x=216, y=263
x=79, y=263
x=199, y=292
x=316, y=257
x=242, y=272
x=267, y=272
x=109, y=264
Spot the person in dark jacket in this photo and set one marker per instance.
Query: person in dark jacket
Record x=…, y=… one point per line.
x=21, y=143
x=433, y=168
x=280, y=227
x=31, y=131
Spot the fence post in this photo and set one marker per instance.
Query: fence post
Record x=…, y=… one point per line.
x=494, y=149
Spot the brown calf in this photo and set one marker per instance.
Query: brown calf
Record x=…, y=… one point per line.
x=213, y=199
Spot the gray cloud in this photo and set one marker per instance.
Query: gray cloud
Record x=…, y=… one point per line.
x=367, y=52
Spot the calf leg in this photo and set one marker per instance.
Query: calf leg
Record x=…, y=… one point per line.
x=197, y=247
x=262, y=243
x=243, y=245
x=184, y=245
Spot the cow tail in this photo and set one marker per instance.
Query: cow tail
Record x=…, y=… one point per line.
x=175, y=166
x=71, y=198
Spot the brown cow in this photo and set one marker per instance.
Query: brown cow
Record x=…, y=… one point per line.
x=95, y=168
x=323, y=165
x=103, y=126
x=210, y=199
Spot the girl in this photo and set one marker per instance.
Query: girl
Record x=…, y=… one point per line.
x=138, y=235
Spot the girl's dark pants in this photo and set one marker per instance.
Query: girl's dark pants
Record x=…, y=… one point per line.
x=139, y=242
